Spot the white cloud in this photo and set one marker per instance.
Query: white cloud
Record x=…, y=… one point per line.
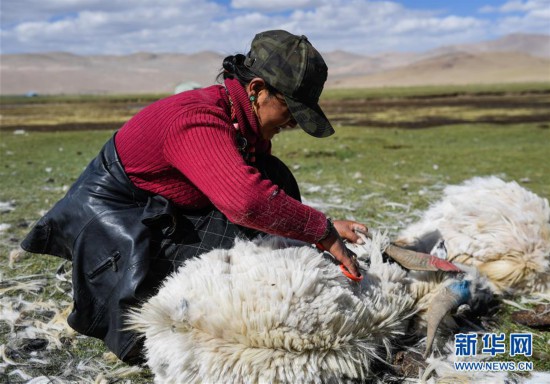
x=17, y=11
x=517, y=6
x=436, y=25
x=362, y=26
x=521, y=16
x=523, y=6
x=368, y=27
x=115, y=28
x=274, y=5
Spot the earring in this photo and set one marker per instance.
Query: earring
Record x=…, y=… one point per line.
x=252, y=98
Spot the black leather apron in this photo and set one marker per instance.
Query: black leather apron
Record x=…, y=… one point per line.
x=124, y=241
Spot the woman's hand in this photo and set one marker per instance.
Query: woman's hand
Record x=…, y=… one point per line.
x=334, y=244
x=347, y=230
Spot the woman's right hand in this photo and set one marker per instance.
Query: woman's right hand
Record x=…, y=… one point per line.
x=334, y=244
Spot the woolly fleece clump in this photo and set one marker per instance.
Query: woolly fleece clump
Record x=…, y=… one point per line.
x=260, y=312
x=499, y=227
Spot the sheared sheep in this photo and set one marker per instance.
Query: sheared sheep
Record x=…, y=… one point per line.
x=499, y=227
x=275, y=310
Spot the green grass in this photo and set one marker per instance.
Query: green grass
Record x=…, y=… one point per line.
x=99, y=112
x=381, y=176
x=78, y=99
x=436, y=90
x=399, y=163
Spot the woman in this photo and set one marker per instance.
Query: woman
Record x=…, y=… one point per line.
x=187, y=174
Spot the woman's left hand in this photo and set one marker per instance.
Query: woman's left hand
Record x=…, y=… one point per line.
x=347, y=230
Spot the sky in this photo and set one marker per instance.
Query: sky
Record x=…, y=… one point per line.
x=119, y=27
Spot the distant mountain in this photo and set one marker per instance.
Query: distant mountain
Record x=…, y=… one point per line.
x=456, y=68
x=53, y=73
x=395, y=68
x=534, y=45
x=512, y=58
x=343, y=64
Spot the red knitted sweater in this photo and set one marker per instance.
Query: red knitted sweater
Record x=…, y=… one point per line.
x=184, y=148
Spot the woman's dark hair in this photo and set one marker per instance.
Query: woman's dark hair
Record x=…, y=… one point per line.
x=234, y=68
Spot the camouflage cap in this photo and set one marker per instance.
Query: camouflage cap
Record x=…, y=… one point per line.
x=291, y=65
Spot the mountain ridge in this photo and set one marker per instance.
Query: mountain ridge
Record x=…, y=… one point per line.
x=511, y=58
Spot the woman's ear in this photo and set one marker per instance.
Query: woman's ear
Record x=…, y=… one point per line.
x=255, y=86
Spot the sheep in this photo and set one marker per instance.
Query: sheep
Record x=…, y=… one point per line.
x=499, y=227
x=276, y=310
x=268, y=312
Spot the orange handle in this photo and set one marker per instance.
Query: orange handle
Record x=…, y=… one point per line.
x=342, y=268
x=349, y=275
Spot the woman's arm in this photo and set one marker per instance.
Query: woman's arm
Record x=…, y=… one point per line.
x=201, y=145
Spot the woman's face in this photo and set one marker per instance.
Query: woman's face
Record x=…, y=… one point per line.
x=272, y=112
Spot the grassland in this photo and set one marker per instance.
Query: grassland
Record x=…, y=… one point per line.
x=393, y=153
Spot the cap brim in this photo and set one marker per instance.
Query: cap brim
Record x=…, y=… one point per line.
x=310, y=118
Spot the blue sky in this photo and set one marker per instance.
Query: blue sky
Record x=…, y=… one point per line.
x=227, y=26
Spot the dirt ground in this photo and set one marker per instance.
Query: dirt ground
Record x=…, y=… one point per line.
x=414, y=112
x=426, y=112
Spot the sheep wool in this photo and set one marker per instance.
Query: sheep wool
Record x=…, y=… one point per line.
x=499, y=227
x=267, y=312
x=278, y=311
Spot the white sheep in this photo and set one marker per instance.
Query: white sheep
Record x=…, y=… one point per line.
x=262, y=313
x=279, y=311
x=499, y=227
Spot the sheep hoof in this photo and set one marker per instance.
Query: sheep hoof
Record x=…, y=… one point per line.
x=409, y=363
x=538, y=318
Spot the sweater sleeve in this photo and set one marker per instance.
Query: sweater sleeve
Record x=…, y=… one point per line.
x=201, y=145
